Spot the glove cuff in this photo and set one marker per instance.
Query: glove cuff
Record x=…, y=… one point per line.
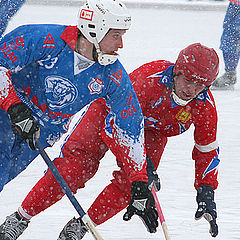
x=139, y=189
x=205, y=193
x=153, y=179
x=15, y=109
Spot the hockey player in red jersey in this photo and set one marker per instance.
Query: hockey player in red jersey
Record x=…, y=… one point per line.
x=48, y=73
x=172, y=98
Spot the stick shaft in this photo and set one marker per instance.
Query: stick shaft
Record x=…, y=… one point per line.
x=160, y=214
x=68, y=192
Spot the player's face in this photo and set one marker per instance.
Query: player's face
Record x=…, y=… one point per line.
x=112, y=41
x=187, y=89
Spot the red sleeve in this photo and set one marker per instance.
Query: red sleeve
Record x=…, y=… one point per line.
x=143, y=81
x=205, y=152
x=145, y=86
x=155, y=144
x=8, y=95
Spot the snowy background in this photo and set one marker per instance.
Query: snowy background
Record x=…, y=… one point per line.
x=155, y=34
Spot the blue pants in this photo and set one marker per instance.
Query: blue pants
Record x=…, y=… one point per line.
x=230, y=40
x=7, y=9
x=15, y=155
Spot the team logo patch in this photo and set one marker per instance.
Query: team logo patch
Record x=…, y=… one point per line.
x=95, y=86
x=49, y=42
x=60, y=92
x=86, y=14
x=183, y=115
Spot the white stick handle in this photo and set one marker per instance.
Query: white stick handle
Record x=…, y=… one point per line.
x=88, y=222
x=165, y=231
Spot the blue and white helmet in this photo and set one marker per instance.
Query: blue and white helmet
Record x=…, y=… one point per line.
x=97, y=17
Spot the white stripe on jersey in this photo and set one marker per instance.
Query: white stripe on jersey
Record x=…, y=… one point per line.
x=207, y=148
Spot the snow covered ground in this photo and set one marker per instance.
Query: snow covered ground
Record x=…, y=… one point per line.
x=155, y=34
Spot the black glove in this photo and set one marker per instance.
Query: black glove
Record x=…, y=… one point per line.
x=207, y=208
x=23, y=123
x=143, y=205
x=153, y=178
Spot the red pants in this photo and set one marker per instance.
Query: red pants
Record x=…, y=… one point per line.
x=82, y=154
x=116, y=196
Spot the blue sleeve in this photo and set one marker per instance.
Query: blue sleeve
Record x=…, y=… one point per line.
x=128, y=117
x=30, y=43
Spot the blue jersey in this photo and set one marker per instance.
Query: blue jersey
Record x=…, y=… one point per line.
x=56, y=82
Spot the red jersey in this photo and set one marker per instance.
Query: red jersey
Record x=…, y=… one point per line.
x=163, y=118
x=153, y=85
x=235, y=1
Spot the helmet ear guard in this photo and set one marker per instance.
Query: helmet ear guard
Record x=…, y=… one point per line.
x=97, y=17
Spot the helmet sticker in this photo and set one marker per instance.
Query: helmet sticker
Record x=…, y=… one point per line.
x=86, y=14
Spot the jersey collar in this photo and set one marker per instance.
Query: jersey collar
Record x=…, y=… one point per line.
x=166, y=77
x=70, y=35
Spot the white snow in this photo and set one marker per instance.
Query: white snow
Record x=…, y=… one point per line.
x=155, y=34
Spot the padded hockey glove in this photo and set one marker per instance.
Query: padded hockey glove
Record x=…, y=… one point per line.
x=23, y=123
x=143, y=205
x=153, y=178
x=207, y=208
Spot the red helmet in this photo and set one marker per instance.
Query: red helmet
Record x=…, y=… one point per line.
x=198, y=63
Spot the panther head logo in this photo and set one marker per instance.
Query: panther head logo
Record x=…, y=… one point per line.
x=60, y=92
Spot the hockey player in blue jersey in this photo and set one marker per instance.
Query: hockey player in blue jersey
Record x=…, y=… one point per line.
x=50, y=72
x=230, y=45
x=7, y=10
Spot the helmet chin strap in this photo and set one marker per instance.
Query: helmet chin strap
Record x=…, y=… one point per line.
x=103, y=58
x=178, y=100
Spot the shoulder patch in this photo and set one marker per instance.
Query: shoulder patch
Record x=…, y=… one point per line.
x=49, y=42
x=117, y=77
